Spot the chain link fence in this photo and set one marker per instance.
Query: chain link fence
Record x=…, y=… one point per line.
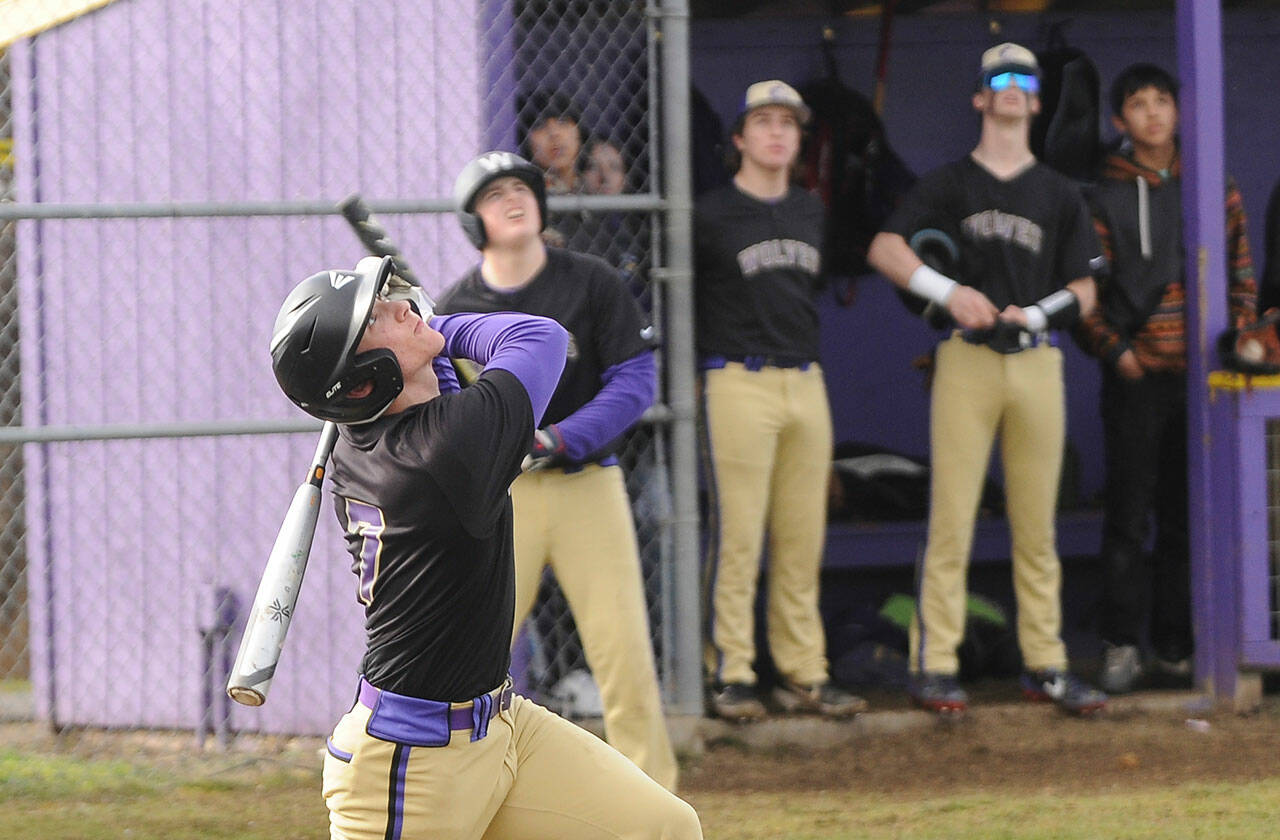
x=14, y=640
x=173, y=167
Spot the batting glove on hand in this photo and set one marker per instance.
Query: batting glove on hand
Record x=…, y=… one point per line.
x=547, y=450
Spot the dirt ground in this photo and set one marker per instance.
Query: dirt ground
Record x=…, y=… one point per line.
x=1004, y=744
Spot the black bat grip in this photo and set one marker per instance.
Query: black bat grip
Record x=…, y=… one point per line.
x=374, y=237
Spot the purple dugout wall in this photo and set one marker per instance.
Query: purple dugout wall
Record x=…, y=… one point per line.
x=867, y=348
x=185, y=100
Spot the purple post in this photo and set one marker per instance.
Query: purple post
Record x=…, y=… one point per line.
x=497, y=73
x=1211, y=482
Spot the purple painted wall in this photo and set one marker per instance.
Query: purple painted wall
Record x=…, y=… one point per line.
x=867, y=349
x=186, y=100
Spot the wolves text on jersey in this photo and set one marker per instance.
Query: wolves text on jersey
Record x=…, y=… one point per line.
x=778, y=253
x=992, y=224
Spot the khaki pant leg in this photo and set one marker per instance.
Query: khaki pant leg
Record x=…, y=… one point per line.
x=530, y=524
x=742, y=419
x=596, y=561
x=967, y=399
x=567, y=784
x=449, y=792
x=1031, y=447
x=798, y=528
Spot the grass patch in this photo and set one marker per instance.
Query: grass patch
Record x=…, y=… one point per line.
x=63, y=798
x=1240, y=811
x=35, y=777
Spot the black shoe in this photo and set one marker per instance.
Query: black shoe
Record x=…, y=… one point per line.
x=737, y=702
x=827, y=699
x=1067, y=691
x=940, y=693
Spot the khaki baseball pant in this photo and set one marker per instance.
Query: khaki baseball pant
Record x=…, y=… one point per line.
x=768, y=440
x=579, y=524
x=533, y=775
x=977, y=392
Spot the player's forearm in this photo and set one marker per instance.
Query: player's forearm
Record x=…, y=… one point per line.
x=890, y=255
x=530, y=347
x=628, y=390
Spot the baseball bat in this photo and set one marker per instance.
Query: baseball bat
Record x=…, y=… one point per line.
x=277, y=594
x=374, y=236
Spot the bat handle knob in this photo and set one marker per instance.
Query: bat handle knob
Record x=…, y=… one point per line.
x=246, y=696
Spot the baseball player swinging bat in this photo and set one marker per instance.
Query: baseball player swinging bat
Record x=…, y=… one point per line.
x=273, y=605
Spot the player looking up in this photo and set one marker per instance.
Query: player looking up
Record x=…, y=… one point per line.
x=1030, y=245
x=436, y=744
x=571, y=507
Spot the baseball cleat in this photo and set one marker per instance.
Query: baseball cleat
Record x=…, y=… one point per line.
x=738, y=703
x=826, y=699
x=938, y=693
x=1063, y=689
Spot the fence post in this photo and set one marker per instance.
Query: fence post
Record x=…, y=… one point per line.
x=678, y=188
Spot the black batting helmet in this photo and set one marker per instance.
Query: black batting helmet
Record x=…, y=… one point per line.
x=313, y=346
x=482, y=171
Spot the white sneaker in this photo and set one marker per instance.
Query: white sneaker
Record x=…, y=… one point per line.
x=1121, y=668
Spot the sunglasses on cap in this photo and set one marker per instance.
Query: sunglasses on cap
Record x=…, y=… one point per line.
x=1025, y=81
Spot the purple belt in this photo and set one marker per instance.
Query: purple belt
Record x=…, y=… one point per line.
x=418, y=722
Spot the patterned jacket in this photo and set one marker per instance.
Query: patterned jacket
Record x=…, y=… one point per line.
x=1142, y=302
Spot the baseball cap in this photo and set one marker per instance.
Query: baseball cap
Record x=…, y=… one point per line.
x=774, y=92
x=1009, y=58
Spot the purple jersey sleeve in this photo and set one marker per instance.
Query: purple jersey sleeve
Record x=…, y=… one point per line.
x=445, y=373
x=627, y=391
x=529, y=347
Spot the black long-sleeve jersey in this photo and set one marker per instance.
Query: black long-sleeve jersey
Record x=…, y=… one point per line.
x=423, y=498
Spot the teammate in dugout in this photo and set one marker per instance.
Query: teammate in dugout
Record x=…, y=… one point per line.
x=436, y=744
x=767, y=427
x=571, y=507
x=1029, y=252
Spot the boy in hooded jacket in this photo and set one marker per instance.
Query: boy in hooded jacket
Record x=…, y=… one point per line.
x=1138, y=332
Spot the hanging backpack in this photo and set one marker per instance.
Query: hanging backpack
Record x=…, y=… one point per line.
x=848, y=163
x=1066, y=134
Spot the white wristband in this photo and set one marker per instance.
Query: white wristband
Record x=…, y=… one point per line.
x=1037, y=321
x=931, y=285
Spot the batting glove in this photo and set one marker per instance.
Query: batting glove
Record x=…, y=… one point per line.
x=547, y=450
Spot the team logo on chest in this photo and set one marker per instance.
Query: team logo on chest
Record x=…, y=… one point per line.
x=778, y=253
x=992, y=224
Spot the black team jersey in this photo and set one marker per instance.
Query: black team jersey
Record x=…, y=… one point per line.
x=589, y=300
x=430, y=524
x=758, y=269
x=1020, y=239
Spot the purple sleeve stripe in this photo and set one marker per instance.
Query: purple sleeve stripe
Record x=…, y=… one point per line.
x=529, y=347
x=628, y=390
